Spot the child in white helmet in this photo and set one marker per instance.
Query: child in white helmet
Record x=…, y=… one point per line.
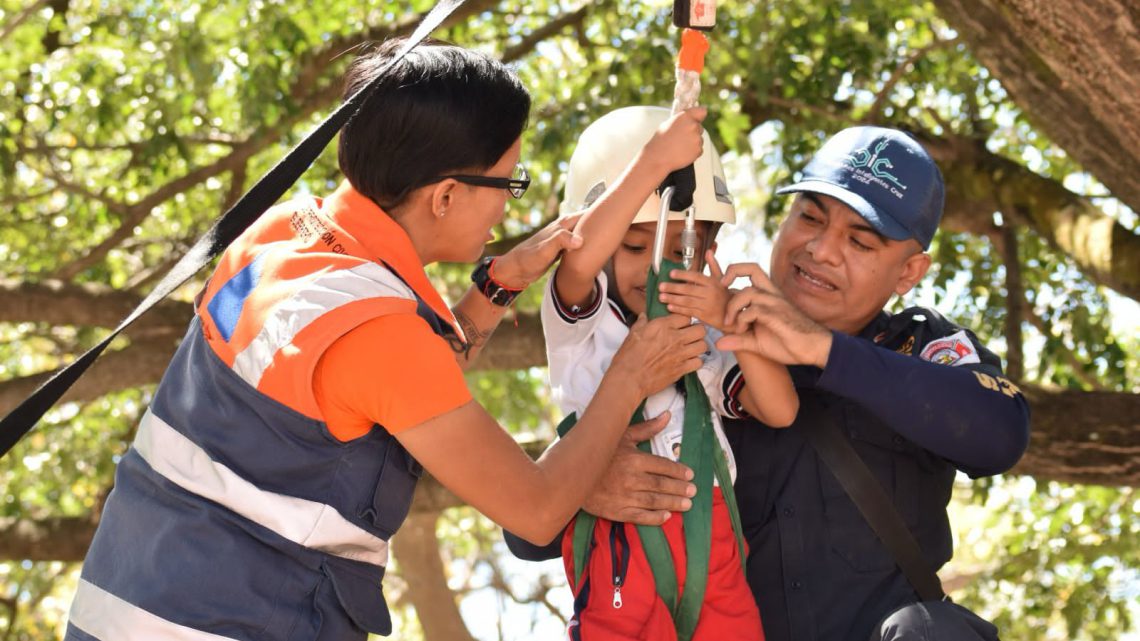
x=595, y=296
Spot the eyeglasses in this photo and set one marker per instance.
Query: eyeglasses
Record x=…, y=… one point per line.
x=517, y=184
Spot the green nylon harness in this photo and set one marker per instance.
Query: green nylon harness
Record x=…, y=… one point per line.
x=701, y=452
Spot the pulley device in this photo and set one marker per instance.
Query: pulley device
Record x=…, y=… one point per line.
x=692, y=17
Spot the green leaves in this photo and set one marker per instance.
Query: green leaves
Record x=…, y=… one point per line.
x=124, y=126
x=1069, y=564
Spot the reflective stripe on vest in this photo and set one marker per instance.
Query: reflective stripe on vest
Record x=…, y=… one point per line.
x=105, y=616
x=269, y=526
x=273, y=336
x=326, y=293
x=314, y=525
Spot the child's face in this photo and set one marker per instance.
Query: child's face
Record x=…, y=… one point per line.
x=633, y=257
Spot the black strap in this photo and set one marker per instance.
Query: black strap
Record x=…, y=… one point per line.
x=228, y=227
x=871, y=499
x=684, y=183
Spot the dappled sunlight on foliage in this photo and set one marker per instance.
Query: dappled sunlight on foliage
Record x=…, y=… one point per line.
x=126, y=129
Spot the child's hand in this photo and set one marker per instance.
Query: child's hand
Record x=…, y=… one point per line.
x=697, y=295
x=678, y=141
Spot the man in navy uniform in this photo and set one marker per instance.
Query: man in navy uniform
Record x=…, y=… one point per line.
x=917, y=396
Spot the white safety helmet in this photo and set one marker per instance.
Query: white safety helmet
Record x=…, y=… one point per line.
x=611, y=142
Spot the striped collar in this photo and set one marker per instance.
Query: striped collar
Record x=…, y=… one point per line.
x=386, y=242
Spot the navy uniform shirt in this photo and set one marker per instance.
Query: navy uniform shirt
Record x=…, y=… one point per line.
x=919, y=398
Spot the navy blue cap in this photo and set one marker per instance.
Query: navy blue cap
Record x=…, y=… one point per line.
x=882, y=174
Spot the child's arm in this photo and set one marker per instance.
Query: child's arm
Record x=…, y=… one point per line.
x=768, y=394
x=676, y=144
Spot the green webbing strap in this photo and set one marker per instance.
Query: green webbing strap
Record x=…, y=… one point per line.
x=657, y=550
x=583, y=521
x=724, y=478
x=697, y=454
x=701, y=452
x=653, y=540
x=720, y=461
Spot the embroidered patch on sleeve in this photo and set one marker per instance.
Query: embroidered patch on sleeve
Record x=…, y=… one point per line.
x=955, y=349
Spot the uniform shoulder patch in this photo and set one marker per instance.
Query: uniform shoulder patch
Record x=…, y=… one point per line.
x=955, y=349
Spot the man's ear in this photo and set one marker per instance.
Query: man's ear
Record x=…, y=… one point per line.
x=443, y=197
x=914, y=268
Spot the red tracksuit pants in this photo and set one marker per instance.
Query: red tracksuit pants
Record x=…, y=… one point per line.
x=728, y=612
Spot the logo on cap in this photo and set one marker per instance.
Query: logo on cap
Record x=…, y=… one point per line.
x=863, y=159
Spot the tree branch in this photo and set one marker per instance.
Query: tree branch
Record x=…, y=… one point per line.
x=416, y=551
x=19, y=20
x=1077, y=367
x=142, y=363
x=881, y=98
x=1014, y=302
x=118, y=207
x=531, y=40
x=793, y=106
x=61, y=538
x=1083, y=437
x=1072, y=70
x=979, y=183
x=134, y=146
x=88, y=304
x=316, y=63
x=155, y=337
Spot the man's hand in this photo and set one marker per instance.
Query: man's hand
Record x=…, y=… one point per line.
x=699, y=296
x=638, y=487
x=760, y=320
x=529, y=260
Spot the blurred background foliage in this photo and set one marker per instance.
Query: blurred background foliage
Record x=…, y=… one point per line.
x=126, y=128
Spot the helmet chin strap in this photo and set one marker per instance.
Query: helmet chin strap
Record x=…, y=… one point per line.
x=613, y=294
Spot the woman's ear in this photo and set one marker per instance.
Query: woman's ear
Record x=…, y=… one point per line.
x=443, y=197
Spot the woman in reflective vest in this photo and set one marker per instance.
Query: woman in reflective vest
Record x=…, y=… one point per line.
x=322, y=373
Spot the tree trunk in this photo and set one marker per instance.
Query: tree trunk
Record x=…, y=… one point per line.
x=416, y=551
x=1083, y=437
x=979, y=183
x=50, y=539
x=1074, y=68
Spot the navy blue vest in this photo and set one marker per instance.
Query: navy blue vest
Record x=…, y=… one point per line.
x=235, y=517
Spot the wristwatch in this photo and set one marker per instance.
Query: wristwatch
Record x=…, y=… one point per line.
x=496, y=292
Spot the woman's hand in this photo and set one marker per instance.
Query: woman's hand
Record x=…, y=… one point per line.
x=697, y=295
x=529, y=260
x=658, y=352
